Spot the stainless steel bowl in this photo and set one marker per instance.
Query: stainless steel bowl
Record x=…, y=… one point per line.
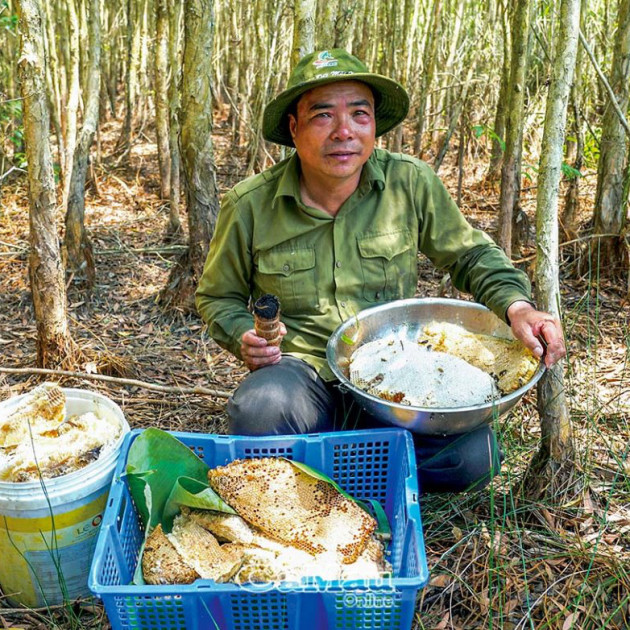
x=405, y=319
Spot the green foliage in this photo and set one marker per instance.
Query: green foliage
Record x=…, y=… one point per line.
x=569, y=172
x=11, y=129
x=7, y=22
x=19, y=159
x=10, y=110
x=591, y=147
x=481, y=130
x=528, y=171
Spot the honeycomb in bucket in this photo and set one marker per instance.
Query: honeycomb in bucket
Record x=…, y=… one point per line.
x=44, y=409
x=38, y=437
x=293, y=507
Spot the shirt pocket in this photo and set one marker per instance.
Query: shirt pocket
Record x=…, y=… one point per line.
x=388, y=264
x=290, y=275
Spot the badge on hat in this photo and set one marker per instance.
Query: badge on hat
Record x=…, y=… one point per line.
x=325, y=60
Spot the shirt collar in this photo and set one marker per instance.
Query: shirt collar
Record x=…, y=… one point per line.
x=289, y=183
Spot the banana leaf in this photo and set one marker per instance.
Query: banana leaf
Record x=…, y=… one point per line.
x=163, y=474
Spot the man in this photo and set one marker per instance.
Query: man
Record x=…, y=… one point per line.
x=332, y=230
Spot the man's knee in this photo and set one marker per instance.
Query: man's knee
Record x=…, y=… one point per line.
x=280, y=399
x=458, y=463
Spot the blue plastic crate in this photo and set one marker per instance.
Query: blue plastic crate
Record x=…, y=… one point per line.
x=376, y=464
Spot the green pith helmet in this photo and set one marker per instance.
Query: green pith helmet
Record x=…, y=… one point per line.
x=329, y=66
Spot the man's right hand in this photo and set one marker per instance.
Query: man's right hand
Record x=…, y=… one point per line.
x=255, y=351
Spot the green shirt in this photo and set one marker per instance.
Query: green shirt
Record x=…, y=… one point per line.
x=325, y=269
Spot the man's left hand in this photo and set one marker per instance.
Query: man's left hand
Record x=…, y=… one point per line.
x=529, y=325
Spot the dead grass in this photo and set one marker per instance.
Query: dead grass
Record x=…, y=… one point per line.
x=496, y=559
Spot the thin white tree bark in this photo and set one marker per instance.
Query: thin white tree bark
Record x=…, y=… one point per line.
x=304, y=29
x=511, y=169
x=72, y=106
x=196, y=151
x=161, y=97
x=556, y=443
x=612, y=195
x=76, y=242
x=45, y=268
x=174, y=223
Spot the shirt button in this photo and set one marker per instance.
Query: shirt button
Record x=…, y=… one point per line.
x=378, y=295
x=286, y=267
x=338, y=264
x=343, y=305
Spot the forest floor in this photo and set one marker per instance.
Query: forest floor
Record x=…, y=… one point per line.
x=496, y=558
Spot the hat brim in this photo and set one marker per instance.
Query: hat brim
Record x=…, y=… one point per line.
x=391, y=105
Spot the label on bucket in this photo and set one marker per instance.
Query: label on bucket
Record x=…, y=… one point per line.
x=45, y=559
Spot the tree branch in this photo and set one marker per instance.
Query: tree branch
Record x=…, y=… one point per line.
x=120, y=381
x=602, y=78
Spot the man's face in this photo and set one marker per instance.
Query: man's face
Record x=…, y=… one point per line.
x=334, y=130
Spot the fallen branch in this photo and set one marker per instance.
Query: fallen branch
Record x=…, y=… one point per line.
x=575, y=240
x=166, y=249
x=205, y=391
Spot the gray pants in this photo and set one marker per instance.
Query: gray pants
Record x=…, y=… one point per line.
x=289, y=398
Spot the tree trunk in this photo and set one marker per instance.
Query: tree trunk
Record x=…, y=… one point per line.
x=329, y=12
x=174, y=224
x=455, y=115
x=52, y=73
x=303, y=30
x=54, y=345
x=112, y=58
x=77, y=245
x=553, y=464
x=343, y=25
x=124, y=141
x=142, y=81
x=611, y=198
x=498, y=137
x=161, y=98
x=429, y=55
x=235, y=43
x=72, y=106
x=197, y=153
x=572, y=198
x=511, y=170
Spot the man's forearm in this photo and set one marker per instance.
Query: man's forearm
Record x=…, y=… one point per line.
x=228, y=319
x=489, y=276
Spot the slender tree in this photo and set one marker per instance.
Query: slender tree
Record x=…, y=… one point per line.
x=197, y=152
x=78, y=249
x=161, y=97
x=54, y=344
x=429, y=56
x=174, y=223
x=556, y=449
x=572, y=198
x=303, y=30
x=611, y=198
x=498, y=136
x=132, y=51
x=72, y=103
x=328, y=14
x=511, y=170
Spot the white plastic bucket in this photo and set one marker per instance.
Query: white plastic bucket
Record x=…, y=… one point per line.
x=47, y=543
